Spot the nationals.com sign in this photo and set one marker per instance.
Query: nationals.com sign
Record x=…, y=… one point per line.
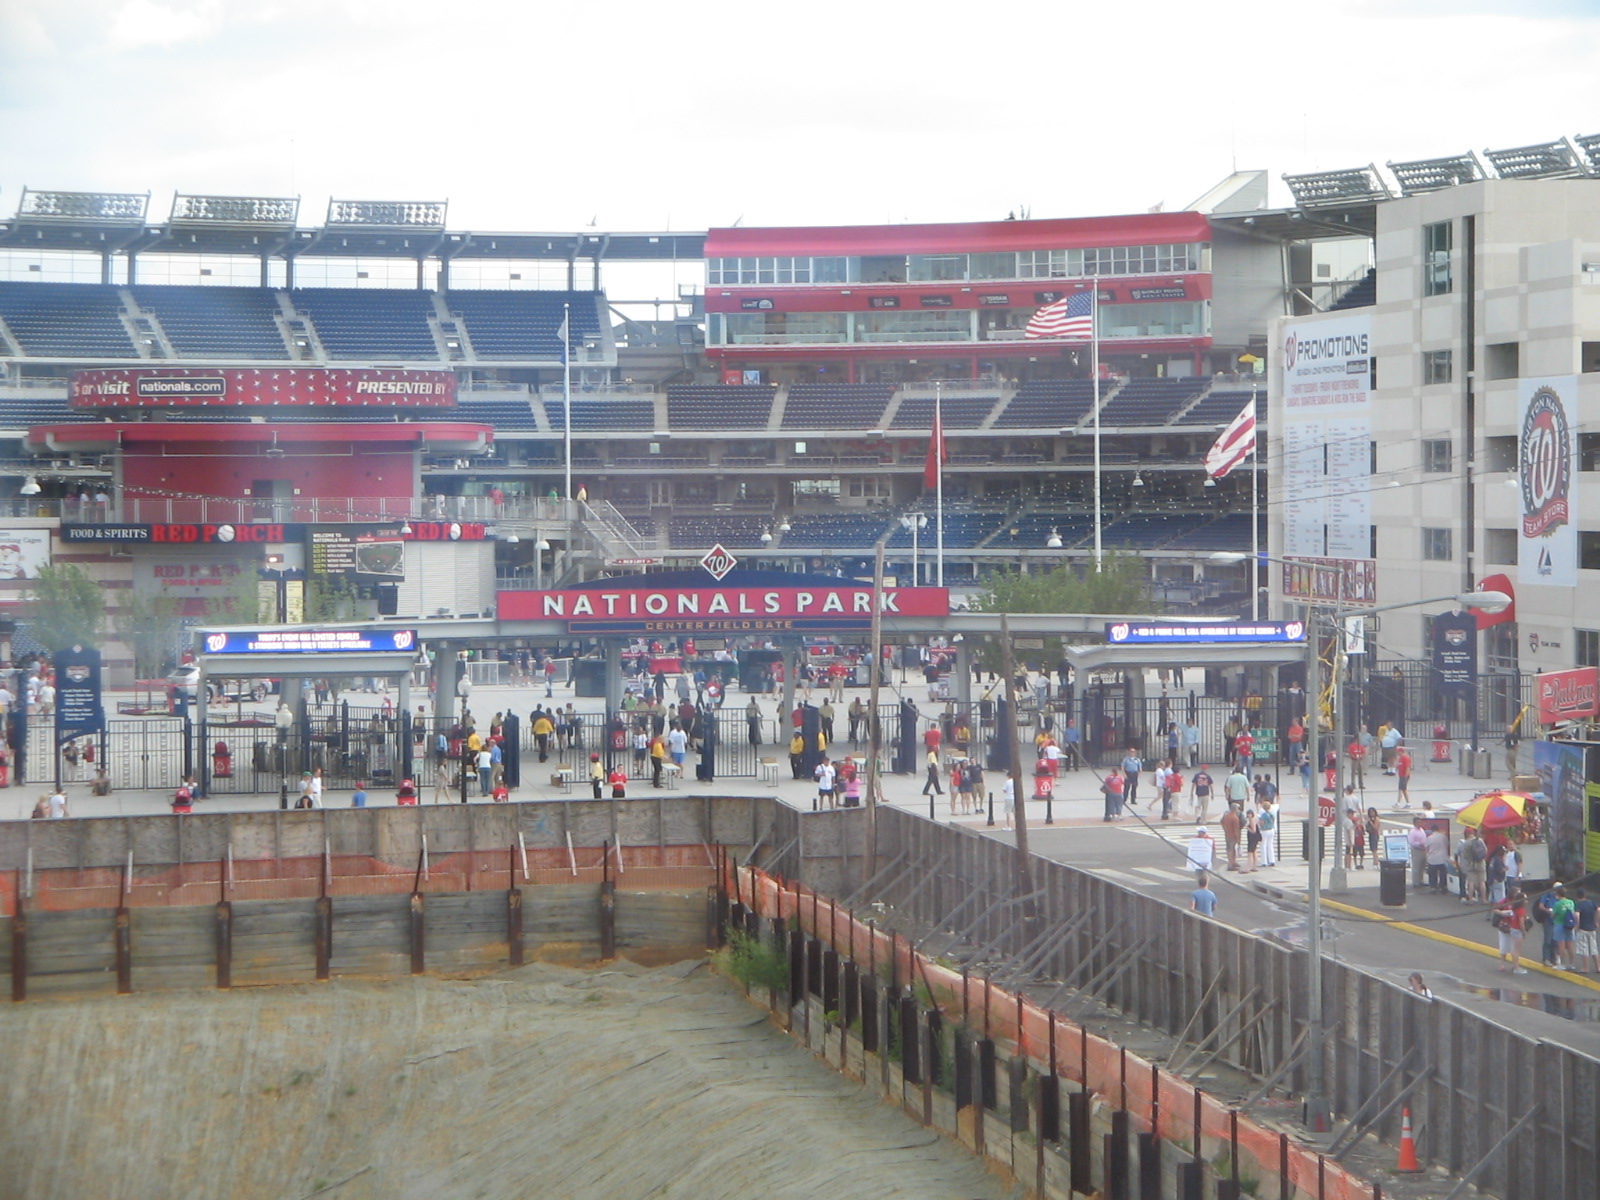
x=1568, y=695
x=169, y=387
x=718, y=610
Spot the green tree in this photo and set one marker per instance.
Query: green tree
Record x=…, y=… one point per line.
x=241, y=603
x=1121, y=586
x=151, y=626
x=69, y=608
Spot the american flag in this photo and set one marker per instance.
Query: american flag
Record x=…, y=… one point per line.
x=1070, y=317
x=1237, y=443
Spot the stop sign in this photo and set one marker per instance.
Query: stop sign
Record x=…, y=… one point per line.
x=1326, y=811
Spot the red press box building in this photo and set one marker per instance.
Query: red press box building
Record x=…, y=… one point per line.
x=862, y=302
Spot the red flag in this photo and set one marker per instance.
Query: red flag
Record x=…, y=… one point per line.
x=1236, y=443
x=937, y=454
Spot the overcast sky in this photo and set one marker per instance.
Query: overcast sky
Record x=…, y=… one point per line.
x=539, y=116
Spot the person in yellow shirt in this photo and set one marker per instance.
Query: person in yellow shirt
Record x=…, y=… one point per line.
x=797, y=752
x=658, y=758
x=543, y=727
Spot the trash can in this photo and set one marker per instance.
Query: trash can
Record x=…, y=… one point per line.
x=1392, y=883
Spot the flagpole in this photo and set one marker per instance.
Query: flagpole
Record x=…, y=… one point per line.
x=1094, y=398
x=1255, y=520
x=566, y=391
x=938, y=500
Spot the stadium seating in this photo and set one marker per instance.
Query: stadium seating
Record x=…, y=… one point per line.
x=1145, y=402
x=716, y=407
x=593, y=415
x=507, y=416
x=19, y=414
x=1362, y=294
x=1034, y=529
x=1218, y=408
x=957, y=412
x=819, y=406
x=524, y=324
x=1230, y=533
x=370, y=323
x=835, y=531
x=216, y=322
x=703, y=532
x=1148, y=531
x=1048, y=404
x=963, y=529
x=66, y=320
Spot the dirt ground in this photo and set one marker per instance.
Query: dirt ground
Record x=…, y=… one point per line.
x=544, y=1083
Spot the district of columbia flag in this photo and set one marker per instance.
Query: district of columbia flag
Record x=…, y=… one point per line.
x=1237, y=443
x=937, y=454
x=1070, y=317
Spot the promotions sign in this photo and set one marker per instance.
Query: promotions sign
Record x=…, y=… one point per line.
x=1326, y=460
x=1124, y=633
x=719, y=610
x=1455, y=655
x=312, y=641
x=187, y=387
x=1547, y=469
x=79, y=709
x=1567, y=695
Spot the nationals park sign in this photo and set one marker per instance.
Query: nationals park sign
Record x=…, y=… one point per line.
x=638, y=607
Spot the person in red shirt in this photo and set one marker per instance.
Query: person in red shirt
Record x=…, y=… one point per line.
x=1402, y=770
x=1244, y=750
x=1510, y=921
x=933, y=737
x=1358, y=762
x=619, y=783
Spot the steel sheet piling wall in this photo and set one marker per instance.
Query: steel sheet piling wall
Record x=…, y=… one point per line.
x=1231, y=989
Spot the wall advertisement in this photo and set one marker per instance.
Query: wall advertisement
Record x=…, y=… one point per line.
x=1547, y=473
x=1326, y=463
x=23, y=552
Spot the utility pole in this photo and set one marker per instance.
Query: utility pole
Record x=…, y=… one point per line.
x=874, y=731
x=1024, y=874
x=1316, y=1107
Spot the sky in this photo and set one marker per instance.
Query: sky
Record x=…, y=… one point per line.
x=630, y=116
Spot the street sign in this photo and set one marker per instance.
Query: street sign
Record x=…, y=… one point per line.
x=1327, y=810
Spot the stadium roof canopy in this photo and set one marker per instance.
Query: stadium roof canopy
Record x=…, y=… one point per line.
x=267, y=227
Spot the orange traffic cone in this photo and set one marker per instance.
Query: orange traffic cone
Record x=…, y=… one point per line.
x=1408, y=1146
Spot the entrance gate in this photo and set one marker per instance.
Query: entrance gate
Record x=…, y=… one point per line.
x=140, y=753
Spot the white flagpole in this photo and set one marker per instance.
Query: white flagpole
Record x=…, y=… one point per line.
x=566, y=391
x=1255, y=515
x=1094, y=397
x=938, y=462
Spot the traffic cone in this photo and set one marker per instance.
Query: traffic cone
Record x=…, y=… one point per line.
x=1408, y=1146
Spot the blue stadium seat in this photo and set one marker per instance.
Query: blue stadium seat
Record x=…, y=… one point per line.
x=714, y=406
x=523, y=324
x=818, y=406
x=370, y=323
x=1146, y=402
x=66, y=320
x=1048, y=404
x=216, y=322
x=957, y=412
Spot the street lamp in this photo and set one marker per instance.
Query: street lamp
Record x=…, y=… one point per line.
x=914, y=521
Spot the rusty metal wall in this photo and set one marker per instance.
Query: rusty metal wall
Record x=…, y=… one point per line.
x=1163, y=966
